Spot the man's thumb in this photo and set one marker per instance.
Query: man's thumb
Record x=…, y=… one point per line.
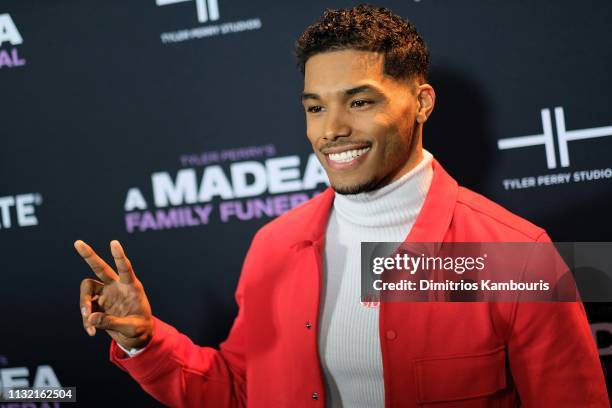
x=107, y=322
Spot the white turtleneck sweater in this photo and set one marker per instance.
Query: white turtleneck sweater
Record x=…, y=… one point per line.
x=349, y=345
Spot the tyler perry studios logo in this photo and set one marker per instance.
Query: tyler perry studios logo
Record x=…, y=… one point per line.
x=206, y=11
x=547, y=139
x=10, y=38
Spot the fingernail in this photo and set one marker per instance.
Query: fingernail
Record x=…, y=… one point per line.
x=84, y=311
x=91, y=331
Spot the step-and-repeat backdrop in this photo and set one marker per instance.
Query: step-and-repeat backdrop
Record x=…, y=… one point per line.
x=175, y=126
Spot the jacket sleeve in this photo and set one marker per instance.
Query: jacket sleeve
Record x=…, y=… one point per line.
x=553, y=356
x=179, y=373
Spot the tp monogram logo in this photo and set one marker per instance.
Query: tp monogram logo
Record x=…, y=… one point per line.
x=204, y=13
x=547, y=138
x=207, y=11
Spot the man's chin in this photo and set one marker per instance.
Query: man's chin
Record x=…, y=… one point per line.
x=355, y=188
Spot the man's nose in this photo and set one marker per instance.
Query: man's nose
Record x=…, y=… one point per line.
x=336, y=126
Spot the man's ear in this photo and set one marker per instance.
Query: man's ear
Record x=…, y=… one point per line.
x=426, y=98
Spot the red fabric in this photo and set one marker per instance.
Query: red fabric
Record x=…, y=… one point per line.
x=443, y=354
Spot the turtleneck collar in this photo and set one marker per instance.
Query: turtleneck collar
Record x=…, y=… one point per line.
x=396, y=203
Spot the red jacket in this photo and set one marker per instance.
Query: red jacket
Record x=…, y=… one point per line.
x=434, y=354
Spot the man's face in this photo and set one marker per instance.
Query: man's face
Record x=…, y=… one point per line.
x=361, y=122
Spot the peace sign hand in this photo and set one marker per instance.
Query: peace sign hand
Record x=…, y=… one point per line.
x=116, y=302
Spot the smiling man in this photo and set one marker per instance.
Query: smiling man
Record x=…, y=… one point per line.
x=364, y=125
x=302, y=337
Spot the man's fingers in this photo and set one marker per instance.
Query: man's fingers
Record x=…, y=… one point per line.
x=128, y=325
x=104, y=272
x=124, y=266
x=89, y=290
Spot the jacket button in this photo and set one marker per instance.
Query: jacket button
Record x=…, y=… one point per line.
x=308, y=325
x=315, y=396
x=391, y=334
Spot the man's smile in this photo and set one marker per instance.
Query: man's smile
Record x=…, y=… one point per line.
x=345, y=157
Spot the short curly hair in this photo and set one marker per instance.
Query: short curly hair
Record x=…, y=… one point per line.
x=367, y=28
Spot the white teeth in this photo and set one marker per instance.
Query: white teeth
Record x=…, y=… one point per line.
x=347, y=156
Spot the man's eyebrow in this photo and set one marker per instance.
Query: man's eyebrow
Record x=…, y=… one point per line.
x=347, y=92
x=308, y=95
x=360, y=89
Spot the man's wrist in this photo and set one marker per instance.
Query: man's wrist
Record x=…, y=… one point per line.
x=131, y=352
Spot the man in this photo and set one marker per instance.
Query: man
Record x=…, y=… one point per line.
x=302, y=336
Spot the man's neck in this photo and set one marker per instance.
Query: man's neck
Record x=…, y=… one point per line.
x=388, y=204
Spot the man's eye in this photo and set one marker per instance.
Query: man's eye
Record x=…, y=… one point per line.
x=359, y=103
x=314, y=109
